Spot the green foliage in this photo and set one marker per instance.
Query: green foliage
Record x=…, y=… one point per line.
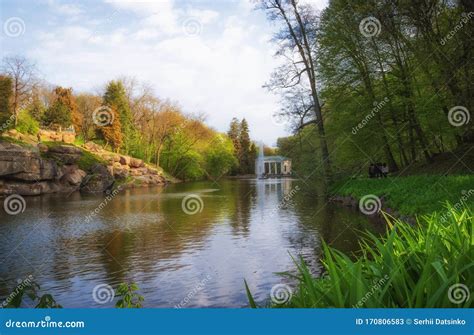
x=30, y=288
x=128, y=297
x=5, y=95
x=115, y=97
x=60, y=113
x=410, y=267
x=26, y=124
x=413, y=195
x=219, y=156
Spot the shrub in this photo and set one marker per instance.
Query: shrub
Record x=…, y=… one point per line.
x=26, y=124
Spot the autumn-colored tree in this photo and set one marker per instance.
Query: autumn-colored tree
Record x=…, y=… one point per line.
x=112, y=130
x=5, y=97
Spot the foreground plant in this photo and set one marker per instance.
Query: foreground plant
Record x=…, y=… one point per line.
x=128, y=297
x=430, y=265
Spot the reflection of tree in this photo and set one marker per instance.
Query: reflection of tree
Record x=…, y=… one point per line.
x=242, y=199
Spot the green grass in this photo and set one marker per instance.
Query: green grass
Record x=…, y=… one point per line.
x=413, y=195
x=88, y=160
x=412, y=267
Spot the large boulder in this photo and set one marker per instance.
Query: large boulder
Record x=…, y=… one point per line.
x=136, y=163
x=124, y=160
x=98, y=180
x=69, y=137
x=66, y=154
x=73, y=175
x=91, y=146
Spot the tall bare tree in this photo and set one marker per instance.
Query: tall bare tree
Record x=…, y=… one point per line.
x=23, y=75
x=297, y=44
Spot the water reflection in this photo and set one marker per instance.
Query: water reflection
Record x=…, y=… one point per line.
x=246, y=229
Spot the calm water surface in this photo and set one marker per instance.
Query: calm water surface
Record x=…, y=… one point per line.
x=247, y=229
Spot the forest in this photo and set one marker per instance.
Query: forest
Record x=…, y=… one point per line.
x=369, y=81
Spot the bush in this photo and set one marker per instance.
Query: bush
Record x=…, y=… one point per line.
x=26, y=124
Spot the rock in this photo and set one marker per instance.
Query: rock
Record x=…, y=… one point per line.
x=43, y=148
x=69, y=137
x=124, y=160
x=121, y=172
x=91, y=146
x=65, y=154
x=98, y=181
x=73, y=175
x=136, y=163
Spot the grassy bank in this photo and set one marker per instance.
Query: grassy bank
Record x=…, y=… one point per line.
x=430, y=265
x=413, y=195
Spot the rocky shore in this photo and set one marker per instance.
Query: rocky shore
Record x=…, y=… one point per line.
x=54, y=167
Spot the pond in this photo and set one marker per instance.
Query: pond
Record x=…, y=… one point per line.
x=185, y=245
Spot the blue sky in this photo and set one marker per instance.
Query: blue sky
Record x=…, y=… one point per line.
x=210, y=56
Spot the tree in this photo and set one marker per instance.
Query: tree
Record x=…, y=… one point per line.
x=219, y=156
x=63, y=108
x=297, y=45
x=112, y=131
x=86, y=105
x=245, y=155
x=234, y=135
x=22, y=73
x=115, y=97
x=5, y=107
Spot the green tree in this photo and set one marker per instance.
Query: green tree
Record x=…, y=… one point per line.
x=245, y=154
x=62, y=109
x=115, y=97
x=234, y=135
x=219, y=156
x=5, y=107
